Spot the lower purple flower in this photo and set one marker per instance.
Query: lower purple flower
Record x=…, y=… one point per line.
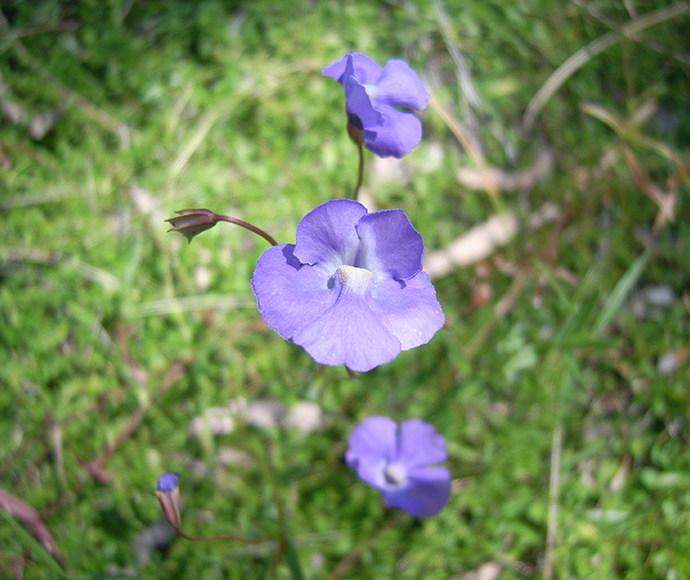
x=399, y=462
x=351, y=290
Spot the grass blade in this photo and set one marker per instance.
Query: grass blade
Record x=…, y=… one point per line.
x=293, y=561
x=620, y=293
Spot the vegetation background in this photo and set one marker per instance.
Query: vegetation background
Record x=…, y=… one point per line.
x=560, y=380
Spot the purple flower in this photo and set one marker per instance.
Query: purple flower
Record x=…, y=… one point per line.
x=168, y=481
x=371, y=95
x=168, y=494
x=398, y=461
x=351, y=290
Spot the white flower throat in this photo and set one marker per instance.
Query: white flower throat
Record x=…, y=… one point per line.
x=354, y=279
x=395, y=474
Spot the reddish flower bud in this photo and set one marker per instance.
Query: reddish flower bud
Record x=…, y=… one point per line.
x=191, y=222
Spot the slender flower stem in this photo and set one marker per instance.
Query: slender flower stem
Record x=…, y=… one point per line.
x=360, y=175
x=223, y=537
x=249, y=227
x=170, y=504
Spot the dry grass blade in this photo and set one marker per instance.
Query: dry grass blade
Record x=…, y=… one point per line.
x=605, y=117
x=192, y=303
x=585, y=54
x=467, y=141
x=682, y=165
x=665, y=201
x=468, y=91
x=193, y=144
x=624, y=128
x=99, y=115
x=38, y=256
x=25, y=199
x=628, y=131
x=601, y=17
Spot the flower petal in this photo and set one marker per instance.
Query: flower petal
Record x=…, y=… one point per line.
x=372, y=446
x=396, y=135
x=408, y=309
x=337, y=69
x=400, y=86
x=420, y=445
x=360, y=111
x=349, y=333
x=428, y=490
x=290, y=295
x=366, y=70
x=168, y=481
x=390, y=244
x=327, y=234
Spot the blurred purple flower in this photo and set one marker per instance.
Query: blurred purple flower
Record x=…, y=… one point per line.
x=168, y=481
x=168, y=494
x=351, y=290
x=399, y=462
x=371, y=95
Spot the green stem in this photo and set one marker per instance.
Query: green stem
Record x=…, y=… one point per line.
x=360, y=174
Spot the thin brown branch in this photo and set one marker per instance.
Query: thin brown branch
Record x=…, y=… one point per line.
x=586, y=53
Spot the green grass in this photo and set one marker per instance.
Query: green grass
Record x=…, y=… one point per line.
x=115, y=334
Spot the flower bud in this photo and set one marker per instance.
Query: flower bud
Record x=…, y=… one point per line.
x=191, y=222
